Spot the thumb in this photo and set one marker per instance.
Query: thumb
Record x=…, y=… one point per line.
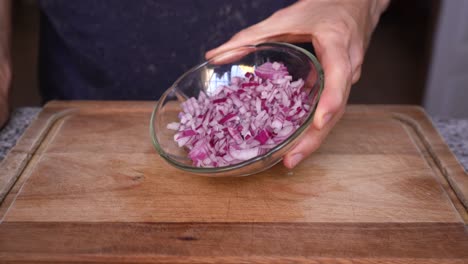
x=335, y=60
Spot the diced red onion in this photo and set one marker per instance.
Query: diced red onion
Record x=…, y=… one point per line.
x=243, y=120
x=173, y=126
x=244, y=154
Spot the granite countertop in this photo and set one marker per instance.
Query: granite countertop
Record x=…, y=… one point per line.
x=454, y=131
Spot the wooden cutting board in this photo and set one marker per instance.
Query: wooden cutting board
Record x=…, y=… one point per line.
x=85, y=185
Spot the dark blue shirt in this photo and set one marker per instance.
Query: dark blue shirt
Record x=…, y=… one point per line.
x=123, y=49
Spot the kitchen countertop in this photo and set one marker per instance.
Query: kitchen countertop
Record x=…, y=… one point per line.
x=454, y=131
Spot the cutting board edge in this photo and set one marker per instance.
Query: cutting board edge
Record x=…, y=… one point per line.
x=191, y=240
x=34, y=258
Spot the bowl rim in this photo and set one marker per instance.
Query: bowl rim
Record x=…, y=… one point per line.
x=292, y=137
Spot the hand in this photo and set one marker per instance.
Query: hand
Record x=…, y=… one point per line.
x=340, y=31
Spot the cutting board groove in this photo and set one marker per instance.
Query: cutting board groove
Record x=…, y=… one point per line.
x=451, y=188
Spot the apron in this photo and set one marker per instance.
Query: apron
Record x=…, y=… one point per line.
x=133, y=50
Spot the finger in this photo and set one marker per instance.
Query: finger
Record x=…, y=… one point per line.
x=231, y=56
x=333, y=54
x=356, y=55
x=356, y=75
x=310, y=143
x=249, y=36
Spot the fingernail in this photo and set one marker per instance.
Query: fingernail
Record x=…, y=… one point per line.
x=326, y=118
x=295, y=159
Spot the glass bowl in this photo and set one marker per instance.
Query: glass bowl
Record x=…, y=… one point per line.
x=218, y=71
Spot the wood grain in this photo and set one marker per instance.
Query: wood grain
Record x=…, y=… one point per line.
x=101, y=188
x=11, y=170
x=88, y=187
x=248, y=240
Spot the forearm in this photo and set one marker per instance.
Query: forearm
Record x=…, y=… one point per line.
x=5, y=46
